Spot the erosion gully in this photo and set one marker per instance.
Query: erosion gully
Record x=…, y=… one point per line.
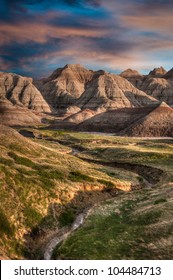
x=150, y=174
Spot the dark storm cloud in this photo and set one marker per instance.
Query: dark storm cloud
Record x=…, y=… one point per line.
x=20, y=5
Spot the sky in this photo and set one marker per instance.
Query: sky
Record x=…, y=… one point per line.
x=37, y=37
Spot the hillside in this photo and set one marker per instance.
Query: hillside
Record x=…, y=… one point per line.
x=109, y=92
x=13, y=115
x=134, y=225
x=157, y=83
x=114, y=120
x=21, y=91
x=157, y=123
x=65, y=85
x=74, y=85
x=43, y=187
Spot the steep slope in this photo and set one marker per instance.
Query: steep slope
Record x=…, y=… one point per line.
x=13, y=115
x=159, y=88
x=157, y=123
x=158, y=72
x=65, y=85
x=80, y=116
x=157, y=83
x=114, y=120
x=169, y=74
x=109, y=91
x=133, y=77
x=21, y=91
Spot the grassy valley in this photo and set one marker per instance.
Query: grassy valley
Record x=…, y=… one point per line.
x=45, y=182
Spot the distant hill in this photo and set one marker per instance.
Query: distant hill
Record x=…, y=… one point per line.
x=158, y=83
x=74, y=85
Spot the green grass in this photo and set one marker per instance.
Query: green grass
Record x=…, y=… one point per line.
x=32, y=217
x=133, y=227
x=42, y=184
x=67, y=217
x=77, y=176
x=5, y=225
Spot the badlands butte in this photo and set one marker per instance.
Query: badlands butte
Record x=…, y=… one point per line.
x=84, y=100
x=68, y=191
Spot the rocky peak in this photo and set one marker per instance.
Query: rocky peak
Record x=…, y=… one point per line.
x=164, y=105
x=21, y=91
x=169, y=74
x=160, y=71
x=129, y=73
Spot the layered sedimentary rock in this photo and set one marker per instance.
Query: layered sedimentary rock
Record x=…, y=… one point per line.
x=65, y=85
x=157, y=123
x=109, y=91
x=158, y=72
x=113, y=121
x=159, y=88
x=158, y=83
x=21, y=91
x=75, y=87
x=15, y=115
x=169, y=74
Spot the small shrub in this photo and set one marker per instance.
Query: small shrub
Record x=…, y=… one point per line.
x=161, y=200
x=67, y=217
x=5, y=161
x=108, y=184
x=77, y=176
x=22, y=160
x=32, y=216
x=5, y=226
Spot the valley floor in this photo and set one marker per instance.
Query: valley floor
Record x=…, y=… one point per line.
x=50, y=178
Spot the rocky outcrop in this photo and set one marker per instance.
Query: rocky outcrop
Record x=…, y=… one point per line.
x=15, y=115
x=132, y=76
x=80, y=116
x=159, y=88
x=158, y=123
x=158, y=72
x=65, y=85
x=109, y=91
x=158, y=83
x=21, y=91
x=113, y=121
x=74, y=87
x=169, y=74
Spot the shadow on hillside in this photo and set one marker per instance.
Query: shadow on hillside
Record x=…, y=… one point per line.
x=111, y=121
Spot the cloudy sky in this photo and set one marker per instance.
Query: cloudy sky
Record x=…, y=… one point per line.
x=36, y=37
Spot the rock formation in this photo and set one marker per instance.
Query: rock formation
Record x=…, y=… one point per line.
x=113, y=121
x=109, y=91
x=169, y=74
x=158, y=123
x=159, y=88
x=158, y=72
x=21, y=91
x=74, y=87
x=65, y=85
x=80, y=116
x=15, y=115
x=157, y=83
